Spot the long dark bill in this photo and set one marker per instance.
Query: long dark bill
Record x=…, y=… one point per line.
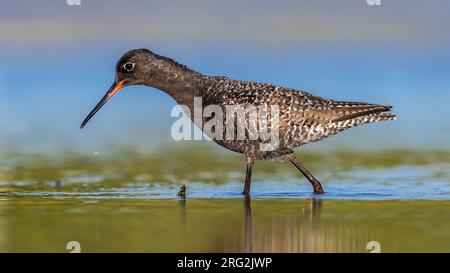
x=112, y=90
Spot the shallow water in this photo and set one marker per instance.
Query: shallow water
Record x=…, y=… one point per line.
x=128, y=202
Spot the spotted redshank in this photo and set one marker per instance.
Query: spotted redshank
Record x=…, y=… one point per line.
x=303, y=117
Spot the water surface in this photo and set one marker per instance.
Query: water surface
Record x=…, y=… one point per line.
x=110, y=203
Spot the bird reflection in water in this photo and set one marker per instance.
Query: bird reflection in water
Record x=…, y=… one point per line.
x=301, y=232
x=269, y=227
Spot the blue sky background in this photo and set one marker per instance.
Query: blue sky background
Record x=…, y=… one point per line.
x=57, y=61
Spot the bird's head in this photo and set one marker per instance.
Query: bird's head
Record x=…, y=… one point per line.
x=135, y=67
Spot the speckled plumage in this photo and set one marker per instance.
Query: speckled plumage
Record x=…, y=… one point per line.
x=303, y=117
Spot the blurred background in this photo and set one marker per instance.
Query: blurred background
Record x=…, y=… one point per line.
x=57, y=61
x=113, y=185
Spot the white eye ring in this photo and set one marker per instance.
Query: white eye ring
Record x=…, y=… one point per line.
x=128, y=67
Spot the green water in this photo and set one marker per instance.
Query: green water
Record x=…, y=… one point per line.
x=275, y=225
x=127, y=202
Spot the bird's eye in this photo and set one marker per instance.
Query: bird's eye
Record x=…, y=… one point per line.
x=128, y=67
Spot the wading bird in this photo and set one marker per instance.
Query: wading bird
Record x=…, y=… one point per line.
x=303, y=117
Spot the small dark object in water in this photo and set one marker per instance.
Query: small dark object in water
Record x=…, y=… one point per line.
x=303, y=118
x=58, y=183
x=182, y=191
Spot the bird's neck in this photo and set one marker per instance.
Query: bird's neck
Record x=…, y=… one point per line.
x=181, y=83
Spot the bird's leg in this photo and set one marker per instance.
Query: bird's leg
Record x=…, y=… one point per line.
x=314, y=182
x=248, y=177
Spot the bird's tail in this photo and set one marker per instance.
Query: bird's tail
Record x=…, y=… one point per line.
x=351, y=114
x=351, y=110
